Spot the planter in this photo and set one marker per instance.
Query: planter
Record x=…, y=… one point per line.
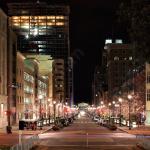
x=112, y=127
x=55, y=128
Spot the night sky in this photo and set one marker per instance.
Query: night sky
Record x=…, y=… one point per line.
x=91, y=22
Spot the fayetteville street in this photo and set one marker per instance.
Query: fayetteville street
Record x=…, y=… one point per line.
x=74, y=74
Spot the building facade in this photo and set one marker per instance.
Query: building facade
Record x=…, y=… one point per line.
x=119, y=65
x=147, y=73
x=58, y=80
x=70, y=82
x=34, y=87
x=3, y=71
x=11, y=68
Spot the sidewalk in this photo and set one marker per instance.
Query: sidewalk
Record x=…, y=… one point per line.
x=13, y=139
x=141, y=133
x=142, y=130
x=15, y=130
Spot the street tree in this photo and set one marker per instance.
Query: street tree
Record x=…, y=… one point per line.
x=135, y=15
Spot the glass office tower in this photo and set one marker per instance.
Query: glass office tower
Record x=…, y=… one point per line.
x=42, y=28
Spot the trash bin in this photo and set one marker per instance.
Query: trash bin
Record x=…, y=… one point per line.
x=8, y=129
x=21, y=125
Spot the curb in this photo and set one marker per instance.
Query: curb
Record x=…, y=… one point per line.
x=122, y=130
x=42, y=132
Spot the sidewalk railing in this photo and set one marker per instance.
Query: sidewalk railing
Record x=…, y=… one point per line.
x=26, y=145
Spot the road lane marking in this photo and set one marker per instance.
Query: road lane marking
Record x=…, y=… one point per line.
x=87, y=140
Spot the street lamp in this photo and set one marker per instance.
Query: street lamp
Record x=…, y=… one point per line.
x=129, y=100
x=54, y=107
x=113, y=102
x=58, y=105
x=66, y=103
x=40, y=98
x=49, y=111
x=109, y=105
x=40, y=117
x=120, y=101
x=102, y=102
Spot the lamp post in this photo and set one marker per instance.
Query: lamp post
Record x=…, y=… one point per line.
x=54, y=107
x=102, y=102
x=40, y=98
x=58, y=109
x=40, y=116
x=49, y=111
x=120, y=101
x=66, y=104
x=113, y=102
x=129, y=101
x=109, y=105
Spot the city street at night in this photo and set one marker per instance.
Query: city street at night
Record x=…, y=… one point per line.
x=86, y=135
x=74, y=75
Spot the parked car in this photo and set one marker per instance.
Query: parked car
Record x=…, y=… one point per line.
x=104, y=122
x=64, y=122
x=96, y=118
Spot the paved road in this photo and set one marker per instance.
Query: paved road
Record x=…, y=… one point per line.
x=86, y=135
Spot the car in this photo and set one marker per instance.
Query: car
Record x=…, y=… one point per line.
x=104, y=122
x=96, y=118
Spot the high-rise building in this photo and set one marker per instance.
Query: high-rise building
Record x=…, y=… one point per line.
x=58, y=80
x=70, y=82
x=42, y=28
x=119, y=65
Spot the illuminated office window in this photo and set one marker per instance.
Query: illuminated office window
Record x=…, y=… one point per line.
x=108, y=41
x=116, y=58
x=118, y=41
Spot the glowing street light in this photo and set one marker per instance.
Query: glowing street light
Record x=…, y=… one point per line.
x=54, y=106
x=27, y=36
x=49, y=111
x=109, y=105
x=41, y=121
x=58, y=106
x=129, y=100
x=102, y=102
x=120, y=101
x=40, y=98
